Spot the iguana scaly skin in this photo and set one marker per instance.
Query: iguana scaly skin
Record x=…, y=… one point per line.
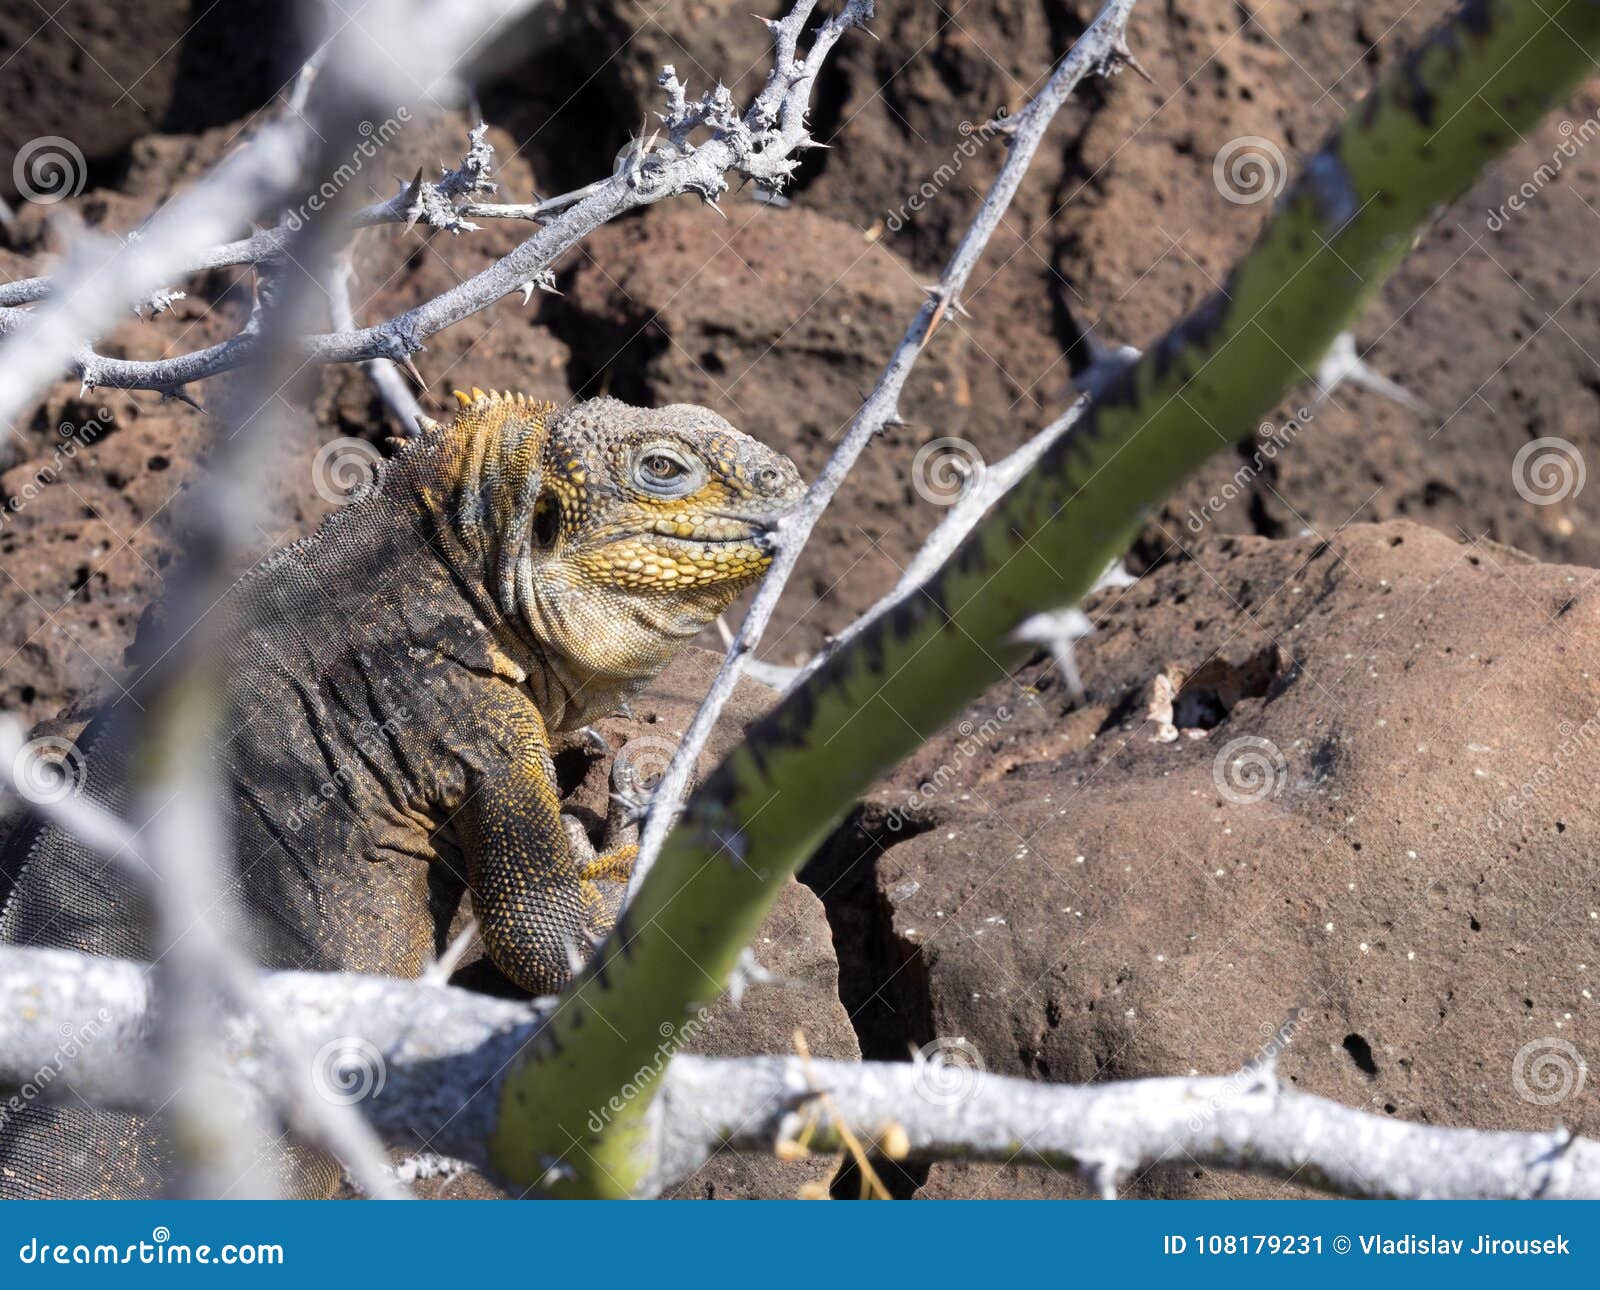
x=391, y=686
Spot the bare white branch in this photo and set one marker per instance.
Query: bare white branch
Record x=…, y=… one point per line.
x=1248, y=1121
x=442, y=1054
x=374, y=54
x=706, y=140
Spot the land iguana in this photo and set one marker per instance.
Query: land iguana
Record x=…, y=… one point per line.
x=392, y=683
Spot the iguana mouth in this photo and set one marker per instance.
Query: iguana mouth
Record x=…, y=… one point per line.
x=720, y=528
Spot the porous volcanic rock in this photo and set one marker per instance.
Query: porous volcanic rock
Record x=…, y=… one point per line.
x=1366, y=790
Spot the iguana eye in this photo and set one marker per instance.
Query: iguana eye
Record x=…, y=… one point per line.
x=660, y=466
x=665, y=471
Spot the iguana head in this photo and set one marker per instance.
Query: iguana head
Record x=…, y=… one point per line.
x=621, y=531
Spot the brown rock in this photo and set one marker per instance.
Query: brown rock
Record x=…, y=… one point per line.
x=107, y=71
x=1377, y=808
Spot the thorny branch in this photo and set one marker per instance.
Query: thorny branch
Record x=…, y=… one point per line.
x=442, y=1053
x=1103, y=49
x=705, y=141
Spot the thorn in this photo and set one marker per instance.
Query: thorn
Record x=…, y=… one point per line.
x=413, y=197
x=936, y=317
x=410, y=369
x=1106, y=1175
x=178, y=394
x=1122, y=53
x=426, y=423
x=712, y=202
x=527, y=292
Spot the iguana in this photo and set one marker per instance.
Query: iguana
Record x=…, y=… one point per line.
x=392, y=683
